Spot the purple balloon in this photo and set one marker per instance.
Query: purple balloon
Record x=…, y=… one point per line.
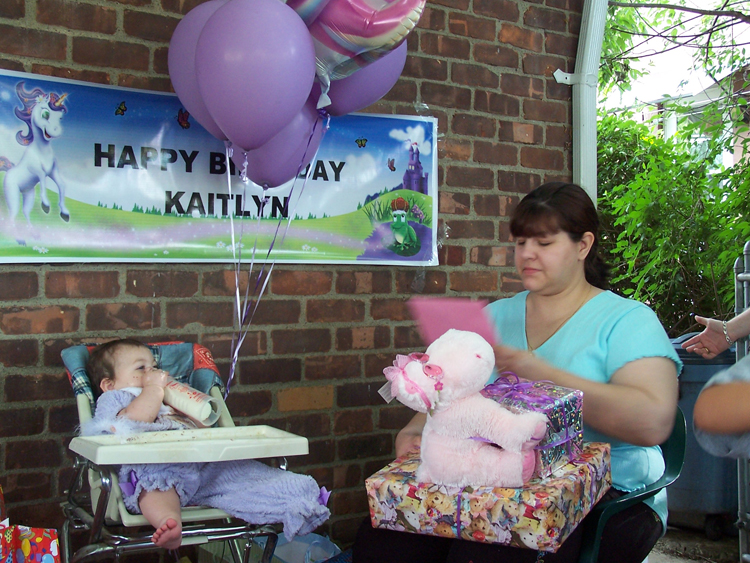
x=286, y=154
x=368, y=84
x=256, y=65
x=181, y=62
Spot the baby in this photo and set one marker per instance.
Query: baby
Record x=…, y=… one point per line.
x=132, y=387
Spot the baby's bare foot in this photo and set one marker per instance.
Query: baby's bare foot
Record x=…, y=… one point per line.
x=168, y=535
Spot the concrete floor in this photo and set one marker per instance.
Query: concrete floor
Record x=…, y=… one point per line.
x=680, y=545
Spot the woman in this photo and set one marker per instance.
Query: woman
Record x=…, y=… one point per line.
x=566, y=328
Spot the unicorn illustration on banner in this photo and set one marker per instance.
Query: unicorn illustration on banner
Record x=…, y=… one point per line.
x=42, y=114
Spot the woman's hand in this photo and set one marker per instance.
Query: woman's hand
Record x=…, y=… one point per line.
x=521, y=362
x=709, y=343
x=410, y=436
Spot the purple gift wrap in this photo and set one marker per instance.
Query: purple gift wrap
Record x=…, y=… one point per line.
x=563, y=407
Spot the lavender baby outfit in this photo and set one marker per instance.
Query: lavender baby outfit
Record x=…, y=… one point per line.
x=245, y=489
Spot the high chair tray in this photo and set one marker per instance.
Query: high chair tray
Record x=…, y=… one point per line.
x=195, y=445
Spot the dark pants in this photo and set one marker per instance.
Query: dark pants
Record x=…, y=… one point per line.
x=628, y=538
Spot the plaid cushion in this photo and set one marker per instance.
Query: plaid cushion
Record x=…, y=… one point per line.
x=186, y=362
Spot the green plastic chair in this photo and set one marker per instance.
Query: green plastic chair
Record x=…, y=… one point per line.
x=673, y=451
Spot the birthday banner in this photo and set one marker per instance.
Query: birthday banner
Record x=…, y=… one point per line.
x=104, y=174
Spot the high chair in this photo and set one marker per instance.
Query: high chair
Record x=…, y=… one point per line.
x=101, y=510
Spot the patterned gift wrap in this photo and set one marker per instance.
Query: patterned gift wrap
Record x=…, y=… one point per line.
x=539, y=516
x=19, y=544
x=562, y=405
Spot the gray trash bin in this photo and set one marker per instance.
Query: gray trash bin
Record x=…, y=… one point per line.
x=705, y=495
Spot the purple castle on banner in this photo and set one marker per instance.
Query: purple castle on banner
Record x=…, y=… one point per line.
x=413, y=177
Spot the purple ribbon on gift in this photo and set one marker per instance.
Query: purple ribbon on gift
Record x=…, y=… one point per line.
x=128, y=488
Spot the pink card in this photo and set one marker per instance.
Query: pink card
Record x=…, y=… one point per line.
x=435, y=315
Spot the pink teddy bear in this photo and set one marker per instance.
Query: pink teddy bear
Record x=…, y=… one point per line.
x=468, y=439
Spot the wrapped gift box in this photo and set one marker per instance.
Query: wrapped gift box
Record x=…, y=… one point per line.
x=20, y=544
x=563, y=409
x=539, y=516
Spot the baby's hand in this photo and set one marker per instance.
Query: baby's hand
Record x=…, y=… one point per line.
x=157, y=377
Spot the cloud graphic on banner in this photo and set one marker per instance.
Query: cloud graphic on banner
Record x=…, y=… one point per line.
x=412, y=135
x=360, y=169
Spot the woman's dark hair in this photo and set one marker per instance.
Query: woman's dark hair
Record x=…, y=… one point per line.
x=558, y=206
x=101, y=364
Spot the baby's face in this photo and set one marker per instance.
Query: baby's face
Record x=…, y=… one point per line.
x=131, y=364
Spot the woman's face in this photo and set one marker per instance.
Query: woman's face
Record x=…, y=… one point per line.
x=550, y=263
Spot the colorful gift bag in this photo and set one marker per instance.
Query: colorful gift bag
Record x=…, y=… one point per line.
x=539, y=516
x=19, y=544
x=562, y=405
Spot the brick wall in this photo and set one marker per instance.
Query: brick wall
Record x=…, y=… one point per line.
x=313, y=359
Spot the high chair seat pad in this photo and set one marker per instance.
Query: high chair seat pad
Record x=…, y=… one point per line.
x=186, y=362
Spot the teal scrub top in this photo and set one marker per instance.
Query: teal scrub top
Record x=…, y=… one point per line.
x=605, y=334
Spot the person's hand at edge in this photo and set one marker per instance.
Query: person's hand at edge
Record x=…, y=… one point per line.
x=709, y=343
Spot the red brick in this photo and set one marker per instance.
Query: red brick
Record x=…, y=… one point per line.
x=273, y=312
x=348, y=283
x=498, y=104
x=301, y=341
x=94, y=76
x=151, y=27
x=224, y=282
x=348, y=502
x=12, y=9
x=574, y=24
x=549, y=20
x=551, y=112
x=430, y=282
x=543, y=65
x=498, y=9
x=495, y=153
x=478, y=229
x=89, y=285
x=432, y=19
x=347, y=476
x=491, y=256
x=363, y=338
x=32, y=43
x=36, y=387
x=359, y=395
x=520, y=182
x=255, y=403
x=404, y=91
x=153, y=283
x=527, y=133
x=522, y=86
x=495, y=55
x=18, y=285
x=454, y=203
x=220, y=345
x=308, y=424
x=557, y=91
x=161, y=62
x=376, y=363
x=454, y=149
x=559, y=136
x=445, y=96
x=331, y=367
x=451, y=255
x=462, y=5
x=106, y=53
x=22, y=421
x=73, y=15
x=359, y=447
x=18, y=353
x=520, y=37
x=444, y=46
x=389, y=309
x=470, y=177
x=473, y=125
x=321, y=451
x=545, y=159
x=565, y=45
x=19, y=487
x=352, y=422
x=494, y=205
x=305, y=398
x=26, y=454
x=511, y=284
x=38, y=320
x=424, y=67
x=12, y=65
x=474, y=281
x=121, y=316
x=301, y=282
x=394, y=417
x=144, y=82
x=179, y=6
x=335, y=310
x=180, y=315
x=469, y=26
x=275, y=370
x=63, y=419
